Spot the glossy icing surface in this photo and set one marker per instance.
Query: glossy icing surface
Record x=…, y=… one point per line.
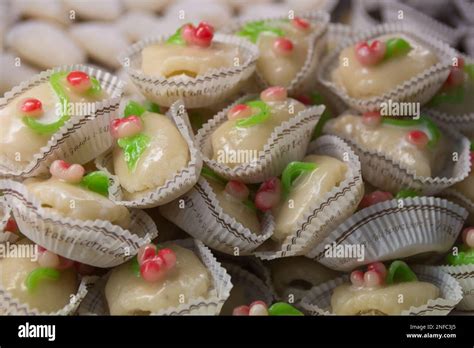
x=166, y=154
x=308, y=187
x=128, y=294
x=278, y=69
x=170, y=60
x=361, y=81
x=76, y=202
x=49, y=296
x=391, y=141
x=236, y=208
x=349, y=300
x=230, y=139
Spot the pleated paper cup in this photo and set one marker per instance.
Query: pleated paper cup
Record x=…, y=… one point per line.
x=98, y=243
x=387, y=174
x=394, y=229
x=12, y=306
x=392, y=12
x=463, y=122
x=466, y=9
x=420, y=88
x=326, y=212
x=174, y=187
x=318, y=300
x=79, y=140
x=462, y=200
x=337, y=34
x=204, y=90
x=304, y=79
x=288, y=142
x=247, y=288
x=5, y=214
x=465, y=276
x=95, y=302
x=199, y=213
x=360, y=16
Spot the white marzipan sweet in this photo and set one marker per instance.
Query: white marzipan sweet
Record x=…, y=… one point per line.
x=230, y=139
x=166, y=154
x=50, y=295
x=362, y=82
x=128, y=294
x=308, y=187
x=58, y=195
x=348, y=300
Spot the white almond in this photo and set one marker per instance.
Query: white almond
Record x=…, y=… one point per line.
x=13, y=73
x=147, y=5
x=214, y=12
x=106, y=10
x=44, y=44
x=51, y=10
x=136, y=25
x=103, y=42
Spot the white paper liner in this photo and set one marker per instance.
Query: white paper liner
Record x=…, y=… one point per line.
x=5, y=214
x=204, y=90
x=421, y=21
x=466, y=9
x=329, y=210
x=12, y=306
x=337, y=34
x=287, y=143
x=82, y=138
x=318, y=300
x=96, y=304
x=394, y=229
x=174, y=187
x=387, y=174
x=304, y=79
x=254, y=288
x=98, y=243
x=419, y=88
x=465, y=276
x=360, y=17
x=461, y=199
x=464, y=122
x=199, y=213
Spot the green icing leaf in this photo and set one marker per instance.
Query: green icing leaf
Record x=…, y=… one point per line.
x=211, y=175
x=292, y=171
x=469, y=69
x=423, y=121
x=135, y=267
x=396, y=47
x=283, y=309
x=451, y=96
x=176, y=38
x=39, y=274
x=134, y=108
x=400, y=272
x=133, y=147
x=407, y=193
x=50, y=128
x=465, y=256
x=260, y=117
x=96, y=87
x=97, y=182
x=152, y=107
x=252, y=30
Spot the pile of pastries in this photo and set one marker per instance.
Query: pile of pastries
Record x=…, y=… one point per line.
x=273, y=164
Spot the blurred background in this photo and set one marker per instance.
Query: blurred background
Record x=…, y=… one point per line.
x=39, y=34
